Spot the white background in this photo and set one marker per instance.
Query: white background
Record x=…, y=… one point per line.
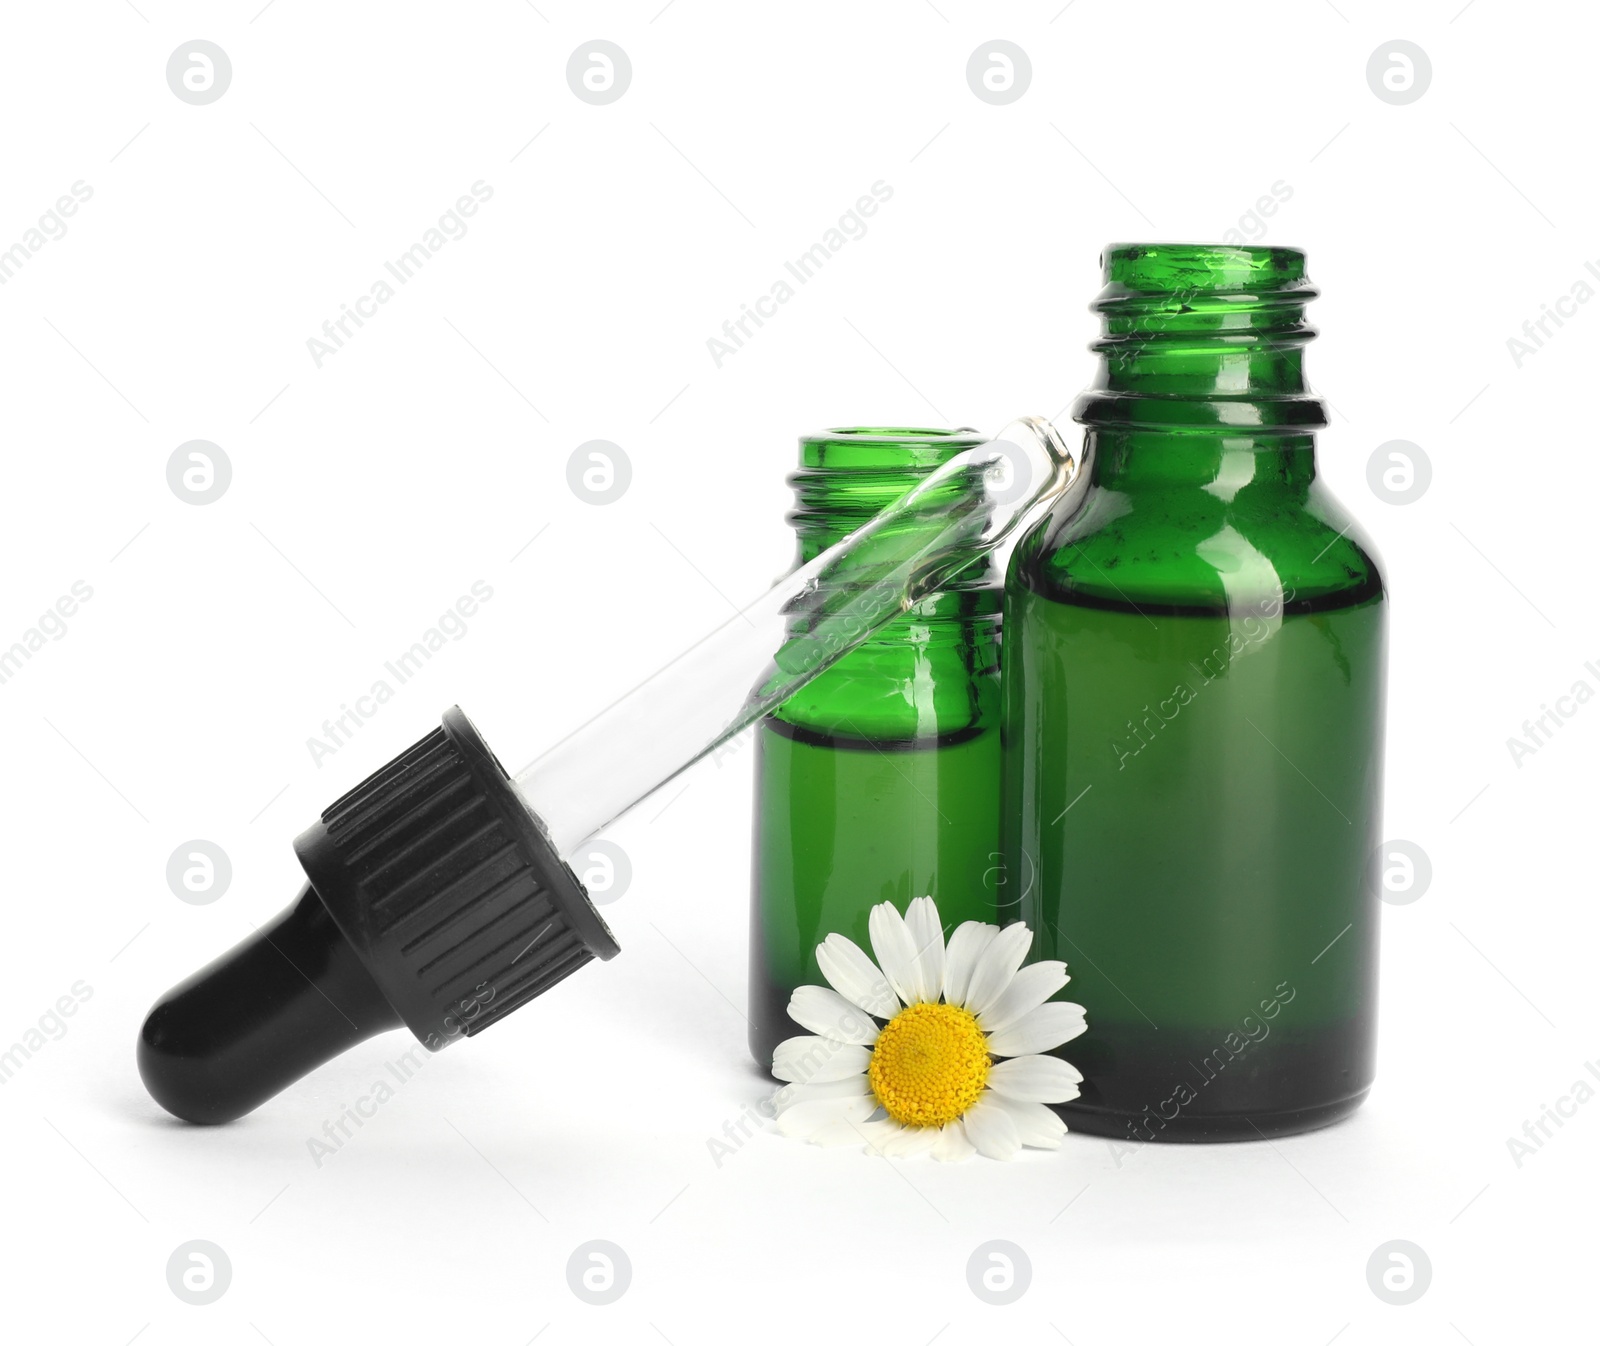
x=368, y=494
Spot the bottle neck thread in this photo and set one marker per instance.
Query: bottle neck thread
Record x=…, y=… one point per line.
x=1202, y=338
x=846, y=476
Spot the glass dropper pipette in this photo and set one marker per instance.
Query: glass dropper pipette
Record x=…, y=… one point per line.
x=806, y=622
x=438, y=898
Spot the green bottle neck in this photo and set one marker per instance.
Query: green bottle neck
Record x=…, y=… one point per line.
x=932, y=673
x=847, y=476
x=1202, y=374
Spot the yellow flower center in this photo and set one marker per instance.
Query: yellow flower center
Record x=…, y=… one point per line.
x=929, y=1064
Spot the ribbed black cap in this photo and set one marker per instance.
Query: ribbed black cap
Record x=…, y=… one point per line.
x=448, y=888
x=436, y=901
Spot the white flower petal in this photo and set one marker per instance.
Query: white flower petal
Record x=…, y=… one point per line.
x=1041, y=1029
x=855, y=976
x=922, y=921
x=909, y=1140
x=992, y=1130
x=1035, y=1079
x=805, y=1120
x=852, y=1086
x=997, y=965
x=830, y=1015
x=1036, y=1125
x=896, y=953
x=810, y=1060
x=971, y=938
x=927, y=938
x=953, y=1145
x=1033, y=985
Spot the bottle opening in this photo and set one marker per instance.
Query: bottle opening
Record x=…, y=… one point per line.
x=1168, y=268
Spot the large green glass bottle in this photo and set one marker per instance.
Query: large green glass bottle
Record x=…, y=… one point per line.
x=1194, y=672
x=880, y=781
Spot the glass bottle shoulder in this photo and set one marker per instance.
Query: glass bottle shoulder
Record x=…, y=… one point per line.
x=1201, y=548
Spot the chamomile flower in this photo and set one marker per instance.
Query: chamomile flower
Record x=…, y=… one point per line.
x=938, y=1052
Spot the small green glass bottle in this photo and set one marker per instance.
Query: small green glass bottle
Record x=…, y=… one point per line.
x=1194, y=676
x=880, y=781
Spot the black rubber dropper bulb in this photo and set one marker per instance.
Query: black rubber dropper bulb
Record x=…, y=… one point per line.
x=436, y=902
x=268, y=1011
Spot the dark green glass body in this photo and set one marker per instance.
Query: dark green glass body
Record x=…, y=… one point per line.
x=880, y=780
x=1194, y=673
